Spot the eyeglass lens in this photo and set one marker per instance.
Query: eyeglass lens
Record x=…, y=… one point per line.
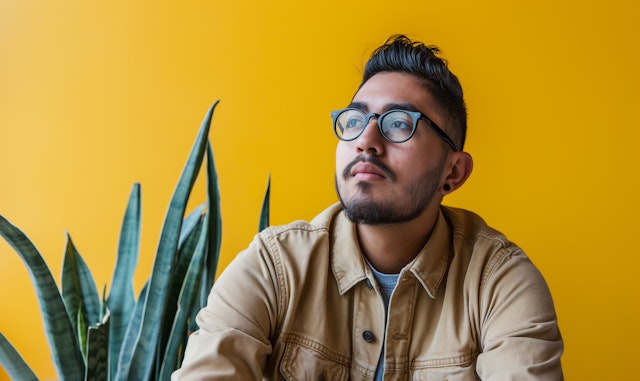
x=395, y=125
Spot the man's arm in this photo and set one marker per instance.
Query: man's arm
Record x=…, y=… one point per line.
x=233, y=340
x=519, y=332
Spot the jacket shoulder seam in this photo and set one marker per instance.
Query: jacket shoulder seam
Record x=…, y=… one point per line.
x=269, y=237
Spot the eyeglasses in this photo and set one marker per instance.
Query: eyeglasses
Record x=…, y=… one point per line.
x=396, y=126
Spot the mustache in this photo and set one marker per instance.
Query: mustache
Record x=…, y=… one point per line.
x=368, y=158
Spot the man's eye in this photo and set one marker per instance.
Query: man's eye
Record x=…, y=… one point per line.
x=353, y=123
x=400, y=124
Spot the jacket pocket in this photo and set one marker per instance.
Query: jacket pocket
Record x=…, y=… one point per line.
x=446, y=374
x=302, y=362
x=455, y=368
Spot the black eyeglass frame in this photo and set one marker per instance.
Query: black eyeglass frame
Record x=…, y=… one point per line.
x=416, y=115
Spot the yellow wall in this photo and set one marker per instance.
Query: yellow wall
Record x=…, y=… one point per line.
x=97, y=95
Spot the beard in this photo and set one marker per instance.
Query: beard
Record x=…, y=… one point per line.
x=414, y=198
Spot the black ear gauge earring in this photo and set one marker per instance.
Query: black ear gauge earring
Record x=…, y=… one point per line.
x=446, y=187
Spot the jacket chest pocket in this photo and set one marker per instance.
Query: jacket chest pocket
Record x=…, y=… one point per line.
x=455, y=368
x=450, y=374
x=304, y=363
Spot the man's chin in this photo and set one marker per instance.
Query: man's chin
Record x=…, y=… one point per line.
x=365, y=211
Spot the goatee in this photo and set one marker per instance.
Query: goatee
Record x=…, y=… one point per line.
x=363, y=209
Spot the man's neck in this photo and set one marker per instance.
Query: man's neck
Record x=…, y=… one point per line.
x=390, y=247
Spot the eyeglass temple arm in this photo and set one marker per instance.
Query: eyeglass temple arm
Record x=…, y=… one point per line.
x=441, y=133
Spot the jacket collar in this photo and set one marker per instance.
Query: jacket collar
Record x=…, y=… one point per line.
x=348, y=264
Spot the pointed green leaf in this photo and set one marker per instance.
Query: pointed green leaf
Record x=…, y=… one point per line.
x=103, y=303
x=188, y=296
x=214, y=228
x=193, y=219
x=124, y=358
x=79, y=289
x=98, y=352
x=81, y=331
x=264, y=212
x=189, y=240
x=145, y=348
x=185, y=255
x=195, y=309
x=65, y=352
x=13, y=363
x=121, y=300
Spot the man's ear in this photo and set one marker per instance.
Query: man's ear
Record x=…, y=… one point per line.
x=461, y=165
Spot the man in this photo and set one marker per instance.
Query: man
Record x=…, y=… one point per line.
x=388, y=284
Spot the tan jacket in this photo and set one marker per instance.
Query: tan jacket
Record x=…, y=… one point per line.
x=301, y=304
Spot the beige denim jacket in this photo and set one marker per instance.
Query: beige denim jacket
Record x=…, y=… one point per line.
x=301, y=304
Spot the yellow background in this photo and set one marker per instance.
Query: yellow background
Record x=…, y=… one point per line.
x=95, y=96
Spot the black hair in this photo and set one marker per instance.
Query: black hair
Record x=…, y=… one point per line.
x=401, y=54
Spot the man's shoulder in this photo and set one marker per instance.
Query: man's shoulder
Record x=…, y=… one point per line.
x=300, y=229
x=485, y=250
x=472, y=229
x=302, y=247
x=322, y=221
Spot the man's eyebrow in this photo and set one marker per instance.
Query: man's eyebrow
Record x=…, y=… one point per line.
x=390, y=106
x=400, y=106
x=359, y=105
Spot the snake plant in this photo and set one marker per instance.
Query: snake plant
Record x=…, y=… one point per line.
x=118, y=336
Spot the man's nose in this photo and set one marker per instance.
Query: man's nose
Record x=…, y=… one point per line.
x=371, y=140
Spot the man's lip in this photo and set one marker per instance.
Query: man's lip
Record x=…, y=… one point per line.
x=367, y=169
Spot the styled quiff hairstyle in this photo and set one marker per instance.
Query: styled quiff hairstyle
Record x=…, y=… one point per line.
x=401, y=54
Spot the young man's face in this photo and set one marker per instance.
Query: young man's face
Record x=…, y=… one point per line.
x=379, y=181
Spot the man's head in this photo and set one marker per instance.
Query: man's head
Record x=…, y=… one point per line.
x=392, y=166
x=402, y=55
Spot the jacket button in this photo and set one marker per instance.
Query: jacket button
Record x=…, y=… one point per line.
x=368, y=336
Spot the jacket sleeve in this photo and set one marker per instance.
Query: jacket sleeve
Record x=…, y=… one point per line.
x=520, y=338
x=232, y=342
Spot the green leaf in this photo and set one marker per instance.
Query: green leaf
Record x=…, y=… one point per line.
x=121, y=300
x=215, y=230
x=81, y=331
x=185, y=255
x=79, y=291
x=130, y=337
x=103, y=303
x=145, y=347
x=188, y=296
x=193, y=219
x=13, y=363
x=264, y=212
x=195, y=309
x=62, y=339
x=98, y=351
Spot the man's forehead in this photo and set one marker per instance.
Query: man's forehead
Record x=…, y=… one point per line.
x=386, y=89
x=395, y=87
